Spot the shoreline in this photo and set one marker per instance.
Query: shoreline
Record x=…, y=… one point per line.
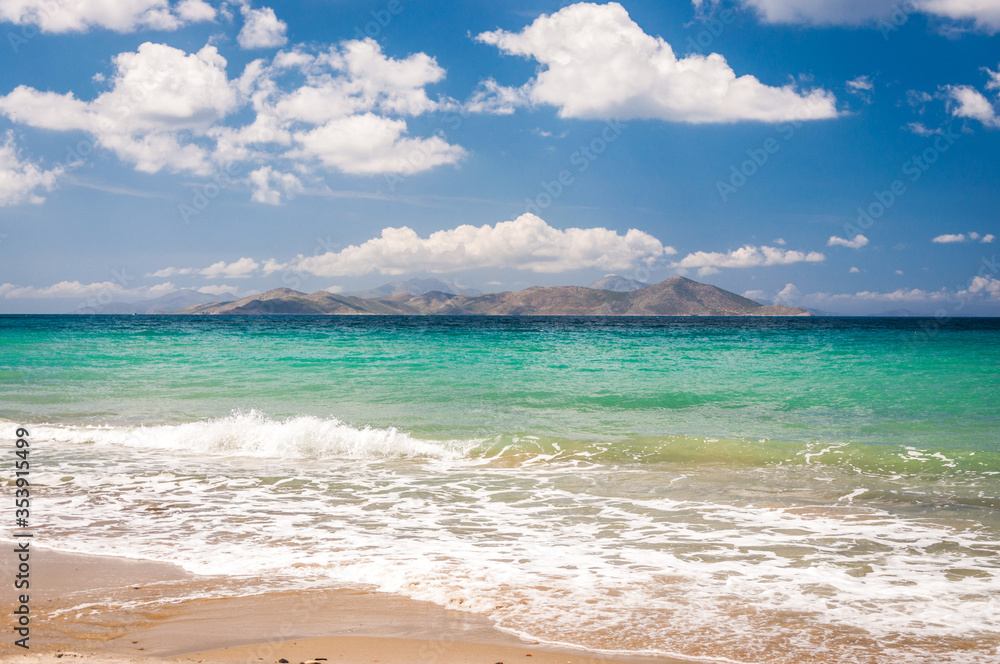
x=107, y=609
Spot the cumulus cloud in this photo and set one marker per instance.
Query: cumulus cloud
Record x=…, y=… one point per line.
x=340, y=109
x=21, y=180
x=788, y=295
x=955, y=238
x=950, y=238
x=369, y=144
x=597, y=63
x=261, y=29
x=984, y=286
x=983, y=14
x=858, y=242
x=345, y=111
x=970, y=103
x=967, y=102
x=748, y=256
x=160, y=98
x=526, y=243
x=60, y=16
x=240, y=269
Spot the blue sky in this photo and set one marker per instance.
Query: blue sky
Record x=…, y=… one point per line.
x=836, y=155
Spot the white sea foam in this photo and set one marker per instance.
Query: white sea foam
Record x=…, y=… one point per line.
x=251, y=434
x=612, y=558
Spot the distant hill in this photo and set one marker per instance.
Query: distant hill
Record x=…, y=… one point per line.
x=613, y=282
x=676, y=296
x=414, y=287
x=163, y=304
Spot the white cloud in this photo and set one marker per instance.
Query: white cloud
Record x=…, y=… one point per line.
x=862, y=87
x=854, y=270
x=970, y=103
x=218, y=290
x=920, y=129
x=787, y=295
x=984, y=14
x=861, y=84
x=160, y=98
x=270, y=266
x=491, y=97
x=597, y=63
x=950, y=238
x=354, y=77
x=369, y=144
x=526, y=243
x=780, y=242
x=76, y=289
x=980, y=288
x=20, y=179
x=269, y=186
x=339, y=109
x=964, y=101
x=261, y=29
x=343, y=120
x=899, y=295
x=748, y=256
x=60, y=16
x=240, y=269
x=195, y=11
x=955, y=238
x=858, y=242
x=987, y=286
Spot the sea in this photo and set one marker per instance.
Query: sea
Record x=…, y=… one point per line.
x=754, y=490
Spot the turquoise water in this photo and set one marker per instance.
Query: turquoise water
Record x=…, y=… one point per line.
x=829, y=486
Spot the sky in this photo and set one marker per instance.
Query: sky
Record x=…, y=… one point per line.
x=833, y=154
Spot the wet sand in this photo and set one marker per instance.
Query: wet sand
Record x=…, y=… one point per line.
x=100, y=609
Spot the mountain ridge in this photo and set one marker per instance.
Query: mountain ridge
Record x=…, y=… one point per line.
x=677, y=296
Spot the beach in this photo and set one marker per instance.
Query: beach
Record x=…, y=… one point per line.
x=718, y=490
x=74, y=622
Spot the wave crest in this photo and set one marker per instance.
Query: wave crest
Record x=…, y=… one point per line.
x=252, y=434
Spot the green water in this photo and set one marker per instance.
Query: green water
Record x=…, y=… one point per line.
x=861, y=380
